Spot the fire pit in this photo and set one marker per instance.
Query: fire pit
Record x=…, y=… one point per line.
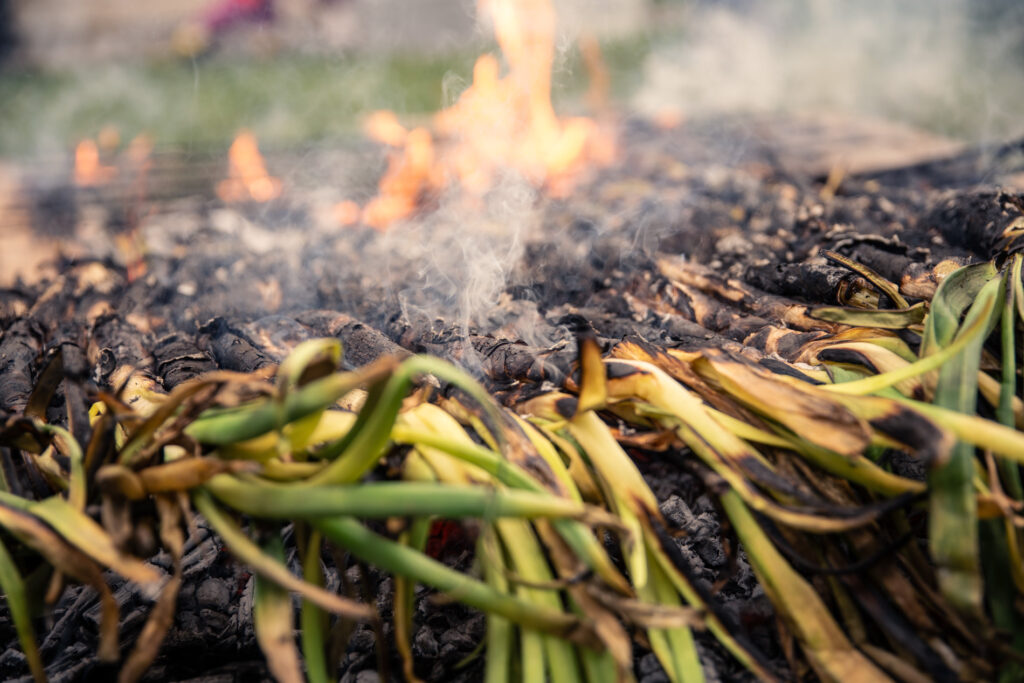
x=575, y=398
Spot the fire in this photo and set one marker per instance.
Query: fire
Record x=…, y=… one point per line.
x=247, y=174
x=132, y=168
x=410, y=175
x=89, y=170
x=500, y=122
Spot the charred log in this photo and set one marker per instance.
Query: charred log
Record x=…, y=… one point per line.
x=362, y=343
x=230, y=348
x=178, y=359
x=977, y=221
x=504, y=362
x=20, y=347
x=808, y=281
x=117, y=349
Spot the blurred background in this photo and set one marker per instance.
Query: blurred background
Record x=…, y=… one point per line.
x=192, y=73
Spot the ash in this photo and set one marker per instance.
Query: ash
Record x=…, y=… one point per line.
x=648, y=248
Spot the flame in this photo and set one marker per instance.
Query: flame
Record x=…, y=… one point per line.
x=348, y=213
x=132, y=169
x=500, y=122
x=383, y=126
x=89, y=170
x=247, y=174
x=410, y=175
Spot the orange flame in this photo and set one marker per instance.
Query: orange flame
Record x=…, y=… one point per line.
x=499, y=122
x=247, y=175
x=89, y=170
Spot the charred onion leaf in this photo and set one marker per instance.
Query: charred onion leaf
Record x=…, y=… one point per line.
x=819, y=437
x=884, y=319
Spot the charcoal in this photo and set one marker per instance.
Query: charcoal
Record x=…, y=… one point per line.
x=14, y=304
x=178, y=359
x=361, y=676
x=655, y=677
x=362, y=343
x=212, y=593
x=509, y=361
x=85, y=289
x=976, y=221
x=116, y=344
x=230, y=348
x=671, y=247
x=817, y=282
x=20, y=347
x=12, y=659
x=425, y=643
x=890, y=261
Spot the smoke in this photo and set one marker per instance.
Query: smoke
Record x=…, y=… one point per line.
x=450, y=265
x=951, y=66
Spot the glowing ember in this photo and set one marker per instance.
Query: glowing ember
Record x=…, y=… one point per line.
x=668, y=119
x=89, y=171
x=247, y=174
x=498, y=123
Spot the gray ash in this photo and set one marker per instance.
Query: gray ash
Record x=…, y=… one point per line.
x=236, y=287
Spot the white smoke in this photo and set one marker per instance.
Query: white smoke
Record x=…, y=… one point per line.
x=452, y=264
x=952, y=66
